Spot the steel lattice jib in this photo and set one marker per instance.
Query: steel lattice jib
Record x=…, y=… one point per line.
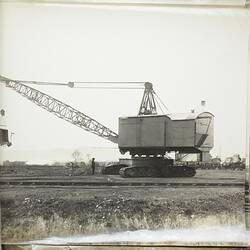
x=158, y=134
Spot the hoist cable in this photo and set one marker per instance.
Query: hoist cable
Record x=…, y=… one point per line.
x=111, y=82
x=42, y=83
x=106, y=88
x=161, y=102
x=71, y=84
x=159, y=106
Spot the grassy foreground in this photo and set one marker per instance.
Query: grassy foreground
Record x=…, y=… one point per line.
x=37, y=214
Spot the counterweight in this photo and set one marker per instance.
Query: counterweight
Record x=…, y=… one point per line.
x=60, y=109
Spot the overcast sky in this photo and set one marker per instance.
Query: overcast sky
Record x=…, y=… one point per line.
x=188, y=54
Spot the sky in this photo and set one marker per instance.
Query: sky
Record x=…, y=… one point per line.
x=188, y=54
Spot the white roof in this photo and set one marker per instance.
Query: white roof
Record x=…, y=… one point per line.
x=3, y=122
x=187, y=116
x=176, y=116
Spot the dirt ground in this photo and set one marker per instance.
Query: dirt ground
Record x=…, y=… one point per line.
x=29, y=213
x=47, y=170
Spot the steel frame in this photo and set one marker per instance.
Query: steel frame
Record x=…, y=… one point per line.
x=61, y=110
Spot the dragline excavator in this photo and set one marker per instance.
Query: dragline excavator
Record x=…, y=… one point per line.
x=147, y=136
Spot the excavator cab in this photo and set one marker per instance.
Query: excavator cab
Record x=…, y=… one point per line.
x=4, y=132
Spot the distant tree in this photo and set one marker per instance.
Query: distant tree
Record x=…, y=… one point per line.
x=76, y=155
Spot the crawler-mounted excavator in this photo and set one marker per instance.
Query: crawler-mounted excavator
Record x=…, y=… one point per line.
x=146, y=136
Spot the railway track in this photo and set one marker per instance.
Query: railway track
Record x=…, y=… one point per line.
x=117, y=182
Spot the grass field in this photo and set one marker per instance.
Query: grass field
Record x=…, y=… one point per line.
x=31, y=213
x=36, y=213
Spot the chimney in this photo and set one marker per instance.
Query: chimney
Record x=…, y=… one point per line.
x=2, y=112
x=203, y=103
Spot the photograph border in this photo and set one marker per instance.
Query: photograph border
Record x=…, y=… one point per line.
x=169, y=3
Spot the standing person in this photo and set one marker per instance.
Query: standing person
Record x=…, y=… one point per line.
x=93, y=166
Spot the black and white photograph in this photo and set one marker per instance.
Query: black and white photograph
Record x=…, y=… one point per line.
x=124, y=123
